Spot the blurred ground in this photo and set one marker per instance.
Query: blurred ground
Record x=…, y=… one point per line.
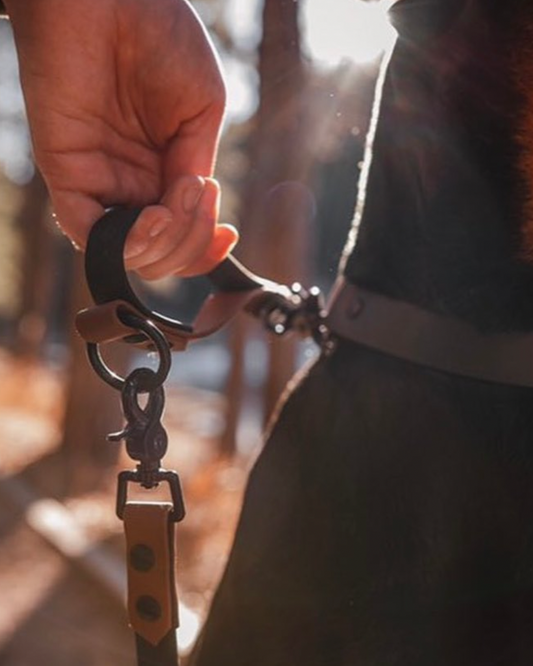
x=52, y=612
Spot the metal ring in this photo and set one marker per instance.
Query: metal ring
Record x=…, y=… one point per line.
x=160, y=343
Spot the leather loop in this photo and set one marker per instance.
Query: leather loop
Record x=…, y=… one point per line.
x=101, y=323
x=152, y=597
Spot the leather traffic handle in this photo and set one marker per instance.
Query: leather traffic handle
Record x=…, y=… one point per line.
x=235, y=288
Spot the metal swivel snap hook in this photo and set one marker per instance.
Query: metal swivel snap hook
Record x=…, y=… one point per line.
x=145, y=437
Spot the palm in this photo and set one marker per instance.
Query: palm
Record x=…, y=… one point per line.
x=124, y=98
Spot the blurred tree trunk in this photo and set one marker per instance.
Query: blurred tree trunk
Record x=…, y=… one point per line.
x=277, y=204
x=36, y=269
x=235, y=386
x=93, y=408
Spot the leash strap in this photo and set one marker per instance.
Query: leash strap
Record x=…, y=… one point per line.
x=235, y=289
x=152, y=597
x=118, y=314
x=435, y=341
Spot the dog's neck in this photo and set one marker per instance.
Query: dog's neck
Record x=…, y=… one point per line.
x=443, y=216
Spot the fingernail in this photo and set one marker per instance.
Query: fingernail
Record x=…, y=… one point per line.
x=191, y=196
x=159, y=226
x=209, y=201
x=134, y=249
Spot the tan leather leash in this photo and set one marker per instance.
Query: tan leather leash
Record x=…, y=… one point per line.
x=152, y=598
x=119, y=314
x=234, y=289
x=149, y=526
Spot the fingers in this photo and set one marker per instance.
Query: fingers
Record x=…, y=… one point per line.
x=224, y=240
x=186, y=243
x=161, y=228
x=179, y=236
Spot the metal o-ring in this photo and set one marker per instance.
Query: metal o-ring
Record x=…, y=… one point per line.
x=150, y=330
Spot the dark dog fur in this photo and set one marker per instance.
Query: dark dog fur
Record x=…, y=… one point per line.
x=448, y=203
x=389, y=519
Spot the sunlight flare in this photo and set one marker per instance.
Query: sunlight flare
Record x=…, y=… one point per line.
x=346, y=30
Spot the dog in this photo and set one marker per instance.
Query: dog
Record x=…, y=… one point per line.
x=389, y=518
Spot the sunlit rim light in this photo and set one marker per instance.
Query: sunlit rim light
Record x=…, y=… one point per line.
x=346, y=30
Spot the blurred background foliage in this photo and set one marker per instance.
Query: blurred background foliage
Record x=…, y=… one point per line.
x=300, y=76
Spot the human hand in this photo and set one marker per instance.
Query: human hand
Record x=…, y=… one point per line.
x=125, y=101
